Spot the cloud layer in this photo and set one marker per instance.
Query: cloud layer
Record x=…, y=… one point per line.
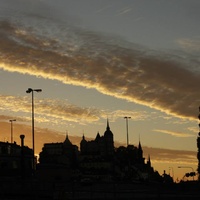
x=47, y=108
x=50, y=48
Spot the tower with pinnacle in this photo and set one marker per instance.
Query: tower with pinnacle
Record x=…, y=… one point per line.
x=108, y=141
x=102, y=145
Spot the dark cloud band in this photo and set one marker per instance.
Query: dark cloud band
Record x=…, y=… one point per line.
x=54, y=50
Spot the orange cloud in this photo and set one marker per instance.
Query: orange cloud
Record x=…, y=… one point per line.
x=50, y=108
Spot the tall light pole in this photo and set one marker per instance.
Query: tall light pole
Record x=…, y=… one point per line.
x=188, y=167
x=30, y=90
x=11, y=124
x=127, y=128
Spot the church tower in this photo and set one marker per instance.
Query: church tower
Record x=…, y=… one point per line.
x=108, y=141
x=149, y=162
x=67, y=143
x=198, y=146
x=83, y=145
x=140, y=151
x=140, y=154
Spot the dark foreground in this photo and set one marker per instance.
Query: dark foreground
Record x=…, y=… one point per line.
x=17, y=189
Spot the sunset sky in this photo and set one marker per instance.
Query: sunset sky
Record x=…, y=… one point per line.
x=99, y=59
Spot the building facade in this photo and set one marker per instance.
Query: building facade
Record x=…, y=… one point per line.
x=15, y=160
x=100, y=146
x=97, y=159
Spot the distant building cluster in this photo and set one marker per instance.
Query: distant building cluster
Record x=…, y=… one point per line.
x=96, y=160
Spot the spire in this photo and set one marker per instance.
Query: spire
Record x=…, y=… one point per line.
x=97, y=137
x=108, y=132
x=66, y=138
x=83, y=141
x=140, y=152
x=108, y=127
x=149, y=161
x=139, y=145
x=83, y=137
x=67, y=141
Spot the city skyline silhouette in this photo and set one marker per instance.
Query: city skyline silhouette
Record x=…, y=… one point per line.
x=134, y=62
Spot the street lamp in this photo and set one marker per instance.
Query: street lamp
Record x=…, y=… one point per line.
x=11, y=123
x=127, y=128
x=189, y=168
x=30, y=90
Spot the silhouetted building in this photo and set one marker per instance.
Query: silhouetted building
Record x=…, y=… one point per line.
x=15, y=160
x=57, y=159
x=132, y=163
x=102, y=145
x=96, y=156
x=63, y=153
x=97, y=159
x=167, y=179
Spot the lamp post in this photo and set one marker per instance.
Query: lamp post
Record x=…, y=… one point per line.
x=189, y=168
x=11, y=123
x=30, y=90
x=127, y=128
